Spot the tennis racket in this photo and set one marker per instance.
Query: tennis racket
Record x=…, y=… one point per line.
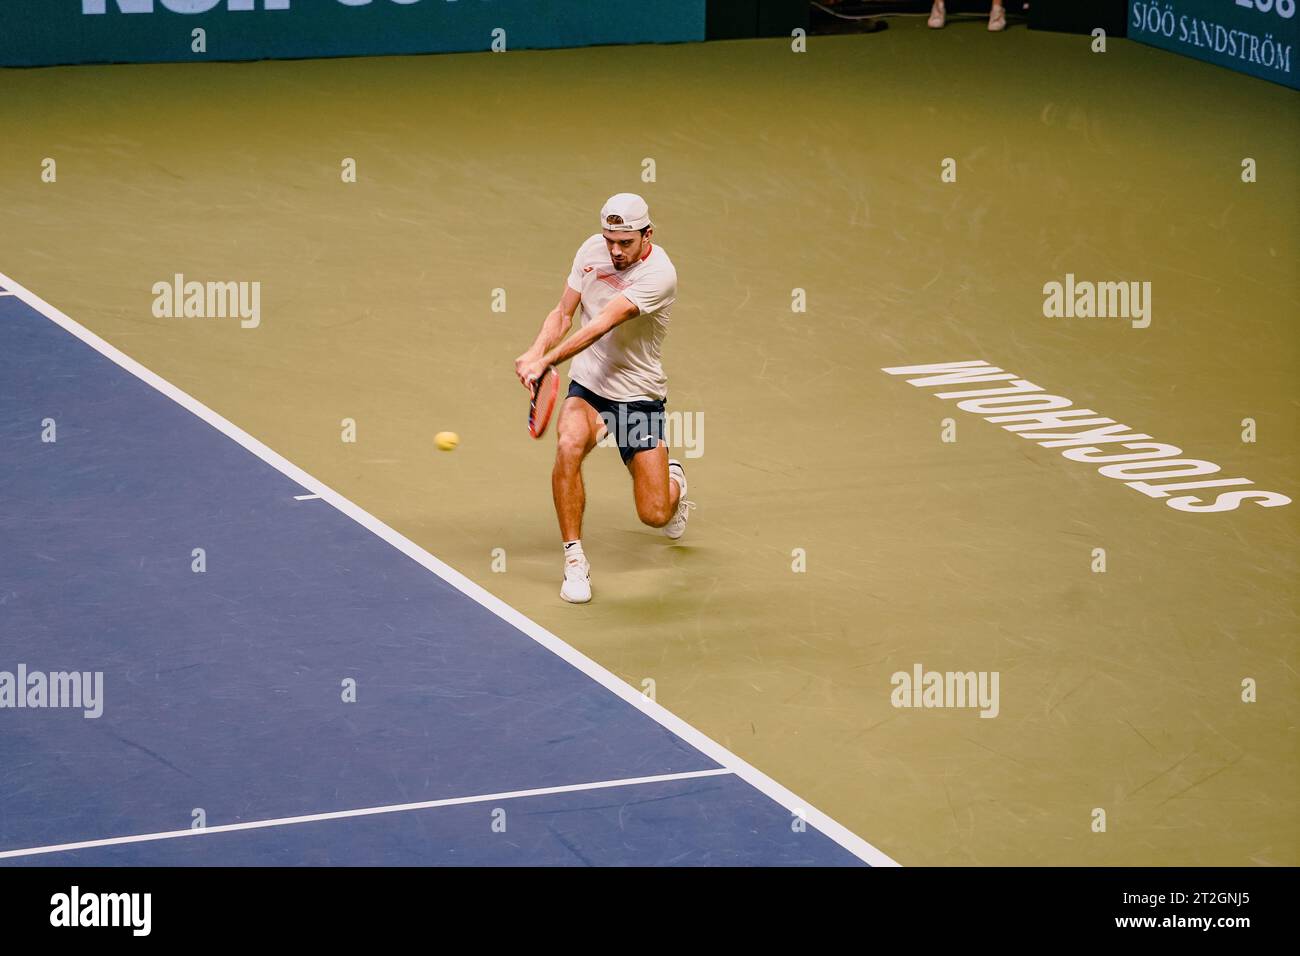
x=546, y=390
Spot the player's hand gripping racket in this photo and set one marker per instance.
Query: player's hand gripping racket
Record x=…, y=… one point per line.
x=546, y=390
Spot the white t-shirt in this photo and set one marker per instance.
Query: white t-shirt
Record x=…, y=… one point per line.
x=623, y=364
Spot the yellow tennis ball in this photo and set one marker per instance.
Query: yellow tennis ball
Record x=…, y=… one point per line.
x=446, y=440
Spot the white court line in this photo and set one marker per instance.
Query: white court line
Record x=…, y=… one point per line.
x=751, y=775
x=306, y=497
x=363, y=812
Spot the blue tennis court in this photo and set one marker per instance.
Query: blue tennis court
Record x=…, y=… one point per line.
x=286, y=680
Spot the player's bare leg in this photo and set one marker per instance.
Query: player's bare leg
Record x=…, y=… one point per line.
x=659, y=487
x=656, y=496
x=576, y=435
x=577, y=432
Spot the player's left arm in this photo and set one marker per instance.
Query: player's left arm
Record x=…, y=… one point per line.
x=618, y=311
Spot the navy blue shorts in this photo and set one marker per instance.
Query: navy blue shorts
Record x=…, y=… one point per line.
x=636, y=426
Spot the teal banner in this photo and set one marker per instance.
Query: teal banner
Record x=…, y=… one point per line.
x=1258, y=37
x=47, y=32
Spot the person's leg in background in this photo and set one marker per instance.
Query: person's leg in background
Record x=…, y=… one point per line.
x=997, y=16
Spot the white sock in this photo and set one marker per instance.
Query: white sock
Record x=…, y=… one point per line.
x=573, y=549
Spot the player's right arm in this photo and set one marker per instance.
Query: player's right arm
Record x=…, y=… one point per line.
x=555, y=327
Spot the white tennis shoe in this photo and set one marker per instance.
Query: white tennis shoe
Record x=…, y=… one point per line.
x=676, y=525
x=577, y=581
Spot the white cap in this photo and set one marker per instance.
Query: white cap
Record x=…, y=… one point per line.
x=628, y=211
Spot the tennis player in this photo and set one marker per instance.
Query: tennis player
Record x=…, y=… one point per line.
x=625, y=286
